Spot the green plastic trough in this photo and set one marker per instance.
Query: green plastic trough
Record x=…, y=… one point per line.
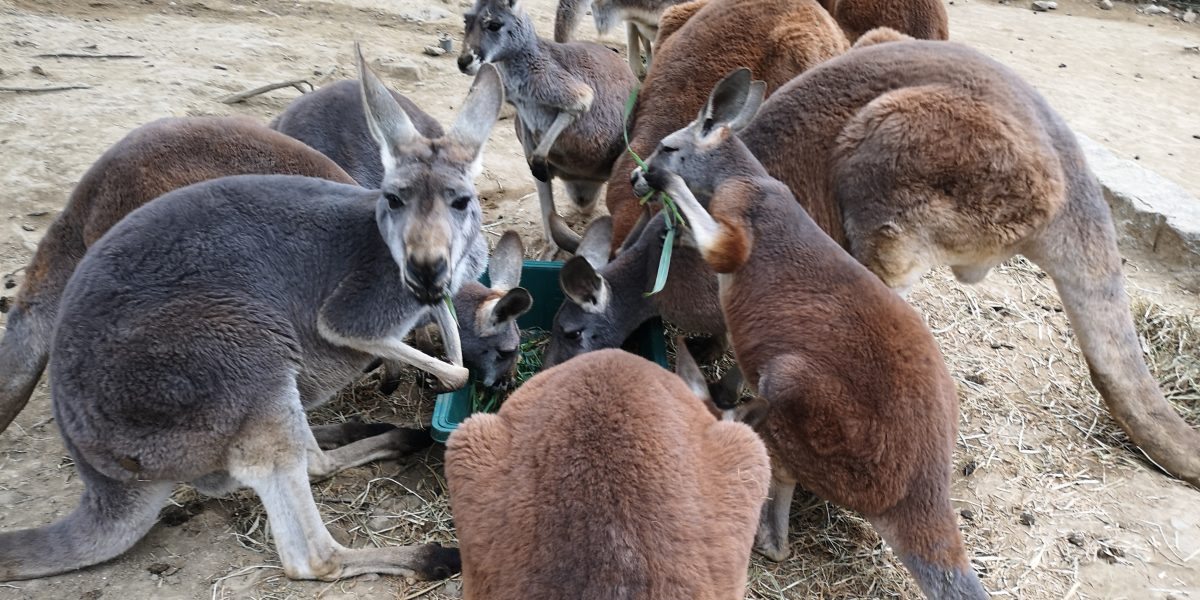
x=541, y=279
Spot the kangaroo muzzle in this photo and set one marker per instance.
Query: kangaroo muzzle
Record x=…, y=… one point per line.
x=428, y=279
x=468, y=62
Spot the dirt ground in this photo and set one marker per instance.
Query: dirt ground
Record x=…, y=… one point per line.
x=1055, y=503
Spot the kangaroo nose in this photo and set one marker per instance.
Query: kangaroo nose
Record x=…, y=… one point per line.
x=464, y=61
x=427, y=279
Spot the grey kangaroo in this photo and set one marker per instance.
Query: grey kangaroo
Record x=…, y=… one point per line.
x=569, y=100
x=192, y=337
x=150, y=161
x=332, y=120
x=805, y=319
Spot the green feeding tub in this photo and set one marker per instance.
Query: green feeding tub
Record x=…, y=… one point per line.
x=541, y=279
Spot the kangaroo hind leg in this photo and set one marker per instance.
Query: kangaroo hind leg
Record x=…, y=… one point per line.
x=111, y=517
x=923, y=531
x=271, y=458
x=1079, y=252
x=930, y=175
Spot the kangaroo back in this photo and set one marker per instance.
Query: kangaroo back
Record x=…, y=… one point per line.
x=1005, y=176
x=148, y=162
x=670, y=494
x=920, y=19
x=331, y=120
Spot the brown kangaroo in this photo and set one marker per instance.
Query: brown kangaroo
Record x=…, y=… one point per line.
x=915, y=154
x=863, y=411
x=150, y=161
x=605, y=477
x=778, y=39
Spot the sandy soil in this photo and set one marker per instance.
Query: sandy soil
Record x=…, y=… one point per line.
x=1034, y=438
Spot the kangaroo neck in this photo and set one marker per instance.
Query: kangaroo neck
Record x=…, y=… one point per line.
x=730, y=160
x=630, y=276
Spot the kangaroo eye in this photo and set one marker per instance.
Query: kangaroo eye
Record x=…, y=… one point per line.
x=394, y=201
x=494, y=25
x=506, y=354
x=461, y=202
x=573, y=335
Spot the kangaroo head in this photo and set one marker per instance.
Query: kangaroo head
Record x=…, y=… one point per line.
x=488, y=316
x=495, y=30
x=701, y=152
x=428, y=213
x=604, y=301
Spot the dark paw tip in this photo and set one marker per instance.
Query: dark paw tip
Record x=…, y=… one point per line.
x=387, y=386
x=441, y=562
x=417, y=439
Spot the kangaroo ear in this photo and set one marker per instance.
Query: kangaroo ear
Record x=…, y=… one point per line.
x=583, y=285
x=728, y=100
x=727, y=392
x=596, y=242
x=504, y=267
x=687, y=370
x=511, y=305
x=387, y=121
x=754, y=99
x=480, y=110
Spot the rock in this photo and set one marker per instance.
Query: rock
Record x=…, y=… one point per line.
x=1044, y=5
x=1154, y=9
x=1027, y=519
x=1189, y=16
x=1077, y=539
x=967, y=514
x=1106, y=5
x=398, y=69
x=434, y=50
x=38, y=70
x=452, y=589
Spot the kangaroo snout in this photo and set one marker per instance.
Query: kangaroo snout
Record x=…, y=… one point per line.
x=637, y=179
x=427, y=278
x=468, y=62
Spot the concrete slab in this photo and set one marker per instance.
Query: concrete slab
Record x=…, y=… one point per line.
x=1154, y=216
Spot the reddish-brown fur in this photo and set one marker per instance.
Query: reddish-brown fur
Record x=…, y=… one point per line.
x=862, y=410
x=128, y=175
x=775, y=39
x=605, y=477
x=915, y=154
x=921, y=19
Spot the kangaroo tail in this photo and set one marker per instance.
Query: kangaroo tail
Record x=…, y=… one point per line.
x=923, y=530
x=23, y=354
x=1087, y=275
x=111, y=517
x=566, y=18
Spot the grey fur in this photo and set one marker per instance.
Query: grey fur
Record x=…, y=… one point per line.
x=569, y=98
x=195, y=333
x=332, y=121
